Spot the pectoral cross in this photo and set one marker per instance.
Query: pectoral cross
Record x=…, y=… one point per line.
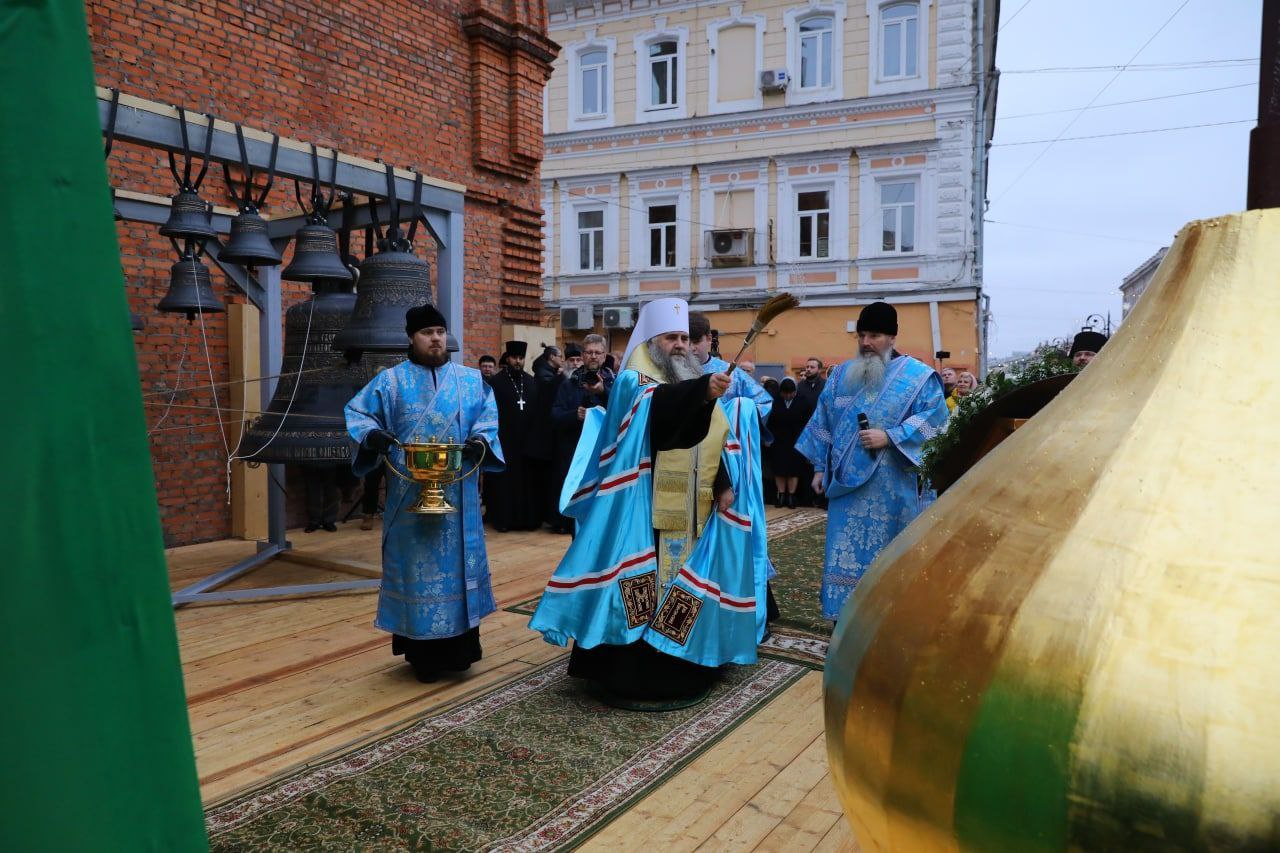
x=520, y=403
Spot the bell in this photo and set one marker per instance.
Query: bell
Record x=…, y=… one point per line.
x=248, y=244
x=391, y=282
x=315, y=254
x=190, y=217
x=304, y=422
x=190, y=289
x=451, y=343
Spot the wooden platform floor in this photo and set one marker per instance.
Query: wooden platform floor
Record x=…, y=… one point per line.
x=273, y=685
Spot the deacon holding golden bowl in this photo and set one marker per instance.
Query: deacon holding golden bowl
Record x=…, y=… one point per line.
x=434, y=421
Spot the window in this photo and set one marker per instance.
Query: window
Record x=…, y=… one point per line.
x=899, y=41
x=662, y=235
x=593, y=74
x=898, y=216
x=591, y=239
x=663, y=75
x=815, y=53
x=813, y=227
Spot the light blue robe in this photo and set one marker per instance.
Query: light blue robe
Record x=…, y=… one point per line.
x=435, y=573
x=605, y=590
x=741, y=384
x=872, y=494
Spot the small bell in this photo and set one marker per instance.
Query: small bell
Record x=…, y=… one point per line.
x=190, y=217
x=315, y=253
x=249, y=244
x=190, y=288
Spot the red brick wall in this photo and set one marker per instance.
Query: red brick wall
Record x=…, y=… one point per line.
x=451, y=87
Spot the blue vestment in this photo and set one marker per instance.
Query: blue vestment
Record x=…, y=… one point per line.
x=741, y=384
x=607, y=589
x=873, y=494
x=435, y=574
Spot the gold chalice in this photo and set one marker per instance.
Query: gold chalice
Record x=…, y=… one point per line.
x=433, y=465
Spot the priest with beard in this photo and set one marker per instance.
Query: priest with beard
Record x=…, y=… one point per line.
x=865, y=438
x=511, y=498
x=665, y=581
x=435, y=574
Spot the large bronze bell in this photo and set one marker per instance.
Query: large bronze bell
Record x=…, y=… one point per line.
x=315, y=253
x=391, y=282
x=249, y=244
x=190, y=287
x=304, y=423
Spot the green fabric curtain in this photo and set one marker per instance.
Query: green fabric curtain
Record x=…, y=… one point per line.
x=97, y=751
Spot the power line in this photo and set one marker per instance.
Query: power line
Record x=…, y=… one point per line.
x=1149, y=66
x=1119, y=133
x=999, y=30
x=1135, y=101
x=1092, y=101
x=1074, y=233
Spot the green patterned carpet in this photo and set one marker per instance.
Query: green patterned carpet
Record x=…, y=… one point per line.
x=534, y=764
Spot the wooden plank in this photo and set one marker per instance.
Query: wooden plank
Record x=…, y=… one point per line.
x=248, y=485
x=764, y=811
x=689, y=808
x=807, y=824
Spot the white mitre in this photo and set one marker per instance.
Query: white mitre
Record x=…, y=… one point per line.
x=659, y=317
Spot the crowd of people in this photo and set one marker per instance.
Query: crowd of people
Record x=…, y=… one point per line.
x=591, y=443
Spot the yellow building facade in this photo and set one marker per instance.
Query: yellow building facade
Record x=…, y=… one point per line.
x=725, y=151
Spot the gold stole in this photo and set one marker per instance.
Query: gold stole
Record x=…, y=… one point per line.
x=683, y=481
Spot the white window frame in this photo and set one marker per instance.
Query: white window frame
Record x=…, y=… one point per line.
x=674, y=189
x=823, y=51
x=801, y=215
x=646, y=110
x=580, y=210
x=673, y=228
x=870, y=242
x=755, y=102
x=881, y=207
x=836, y=183
x=570, y=205
x=793, y=19
x=576, y=120
x=877, y=83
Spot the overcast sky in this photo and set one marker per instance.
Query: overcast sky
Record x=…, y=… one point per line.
x=1138, y=190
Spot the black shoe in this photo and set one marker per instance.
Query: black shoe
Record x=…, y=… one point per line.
x=791, y=500
x=330, y=527
x=311, y=528
x=779, y=500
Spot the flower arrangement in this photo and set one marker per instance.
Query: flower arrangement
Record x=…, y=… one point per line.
x=1046, y=362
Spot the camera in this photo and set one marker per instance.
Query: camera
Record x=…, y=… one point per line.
x=590, y=377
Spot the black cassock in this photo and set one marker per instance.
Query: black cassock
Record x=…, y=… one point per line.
x=679, y=417
x=512, y=497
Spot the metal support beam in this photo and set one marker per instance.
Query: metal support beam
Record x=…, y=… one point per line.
x=160, y=130
x=232, y=595
x=452, y=268
x=189, y=593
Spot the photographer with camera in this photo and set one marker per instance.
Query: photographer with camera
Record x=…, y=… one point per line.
x=586, y=387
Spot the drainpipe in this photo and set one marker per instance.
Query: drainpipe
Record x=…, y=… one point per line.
x=979, y=178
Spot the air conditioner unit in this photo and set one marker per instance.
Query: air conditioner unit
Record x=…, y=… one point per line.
x=730, y=247
x=618, y=318
x=579, y=317
x=775, y=80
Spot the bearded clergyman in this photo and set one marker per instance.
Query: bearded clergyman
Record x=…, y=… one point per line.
x=665, y=580
x=865, y=438
x=435, y=575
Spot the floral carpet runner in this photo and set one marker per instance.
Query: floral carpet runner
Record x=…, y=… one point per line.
x=532, y=765
x=797, y=544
